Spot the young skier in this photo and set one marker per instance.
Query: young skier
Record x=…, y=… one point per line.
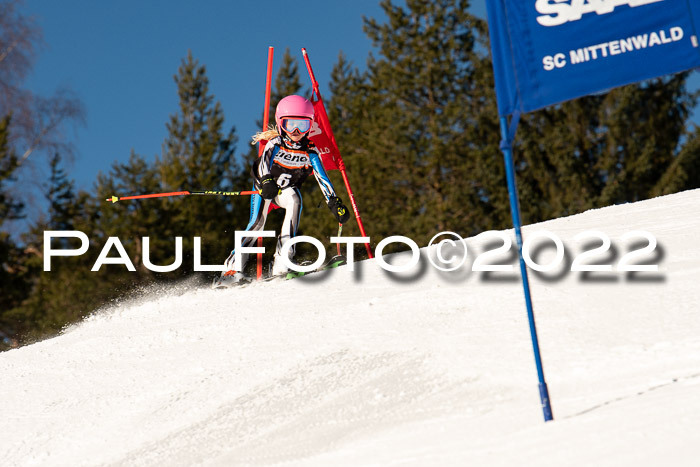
x=288, y=159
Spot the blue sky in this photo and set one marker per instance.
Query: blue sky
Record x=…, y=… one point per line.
x=120, y=58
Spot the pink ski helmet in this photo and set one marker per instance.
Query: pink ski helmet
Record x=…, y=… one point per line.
x=294, y=106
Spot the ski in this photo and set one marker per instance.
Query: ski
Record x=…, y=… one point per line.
x=334, y=262
x=217, y=283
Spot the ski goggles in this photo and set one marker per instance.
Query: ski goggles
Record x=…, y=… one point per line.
x=301, y=125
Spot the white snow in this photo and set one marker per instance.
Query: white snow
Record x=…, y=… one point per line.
x=372, y=368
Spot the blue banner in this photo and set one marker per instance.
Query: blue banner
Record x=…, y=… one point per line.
x=549, y=51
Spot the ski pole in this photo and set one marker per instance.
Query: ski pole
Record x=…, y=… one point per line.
x=340, y=232
x=114, y=199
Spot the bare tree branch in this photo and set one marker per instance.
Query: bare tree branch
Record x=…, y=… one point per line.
x=38, y=123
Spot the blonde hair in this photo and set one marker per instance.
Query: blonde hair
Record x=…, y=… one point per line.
x=272, y=132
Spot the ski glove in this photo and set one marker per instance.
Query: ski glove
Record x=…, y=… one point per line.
x=268, y=187
x=338, y=209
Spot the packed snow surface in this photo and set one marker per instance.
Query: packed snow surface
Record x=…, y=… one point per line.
x=421, y=368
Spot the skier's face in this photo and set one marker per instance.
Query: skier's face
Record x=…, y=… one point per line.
x=296, y=137
x=296, y=128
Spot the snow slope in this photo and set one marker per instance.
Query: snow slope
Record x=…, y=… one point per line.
x=371, y=368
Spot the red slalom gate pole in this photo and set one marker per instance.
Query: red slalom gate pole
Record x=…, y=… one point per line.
x=341, y=164
x=268, y=86
x=266, y=119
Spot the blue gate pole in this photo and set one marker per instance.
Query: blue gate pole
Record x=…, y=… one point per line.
x=507, y=136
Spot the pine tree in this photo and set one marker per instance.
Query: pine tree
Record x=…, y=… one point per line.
x=69, y=291
x=684, y=171
x=9, y=207
x=42, y=303
x=411, y=128
x=419, y=133
x=198, y=155
x=623, y=146
x=61, y=197
x=13, y=284
x=130, y=221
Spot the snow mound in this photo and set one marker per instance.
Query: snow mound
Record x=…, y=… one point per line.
x=375, y=368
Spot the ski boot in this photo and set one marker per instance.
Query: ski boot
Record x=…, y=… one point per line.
x=229, y=279
x=278, y=267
